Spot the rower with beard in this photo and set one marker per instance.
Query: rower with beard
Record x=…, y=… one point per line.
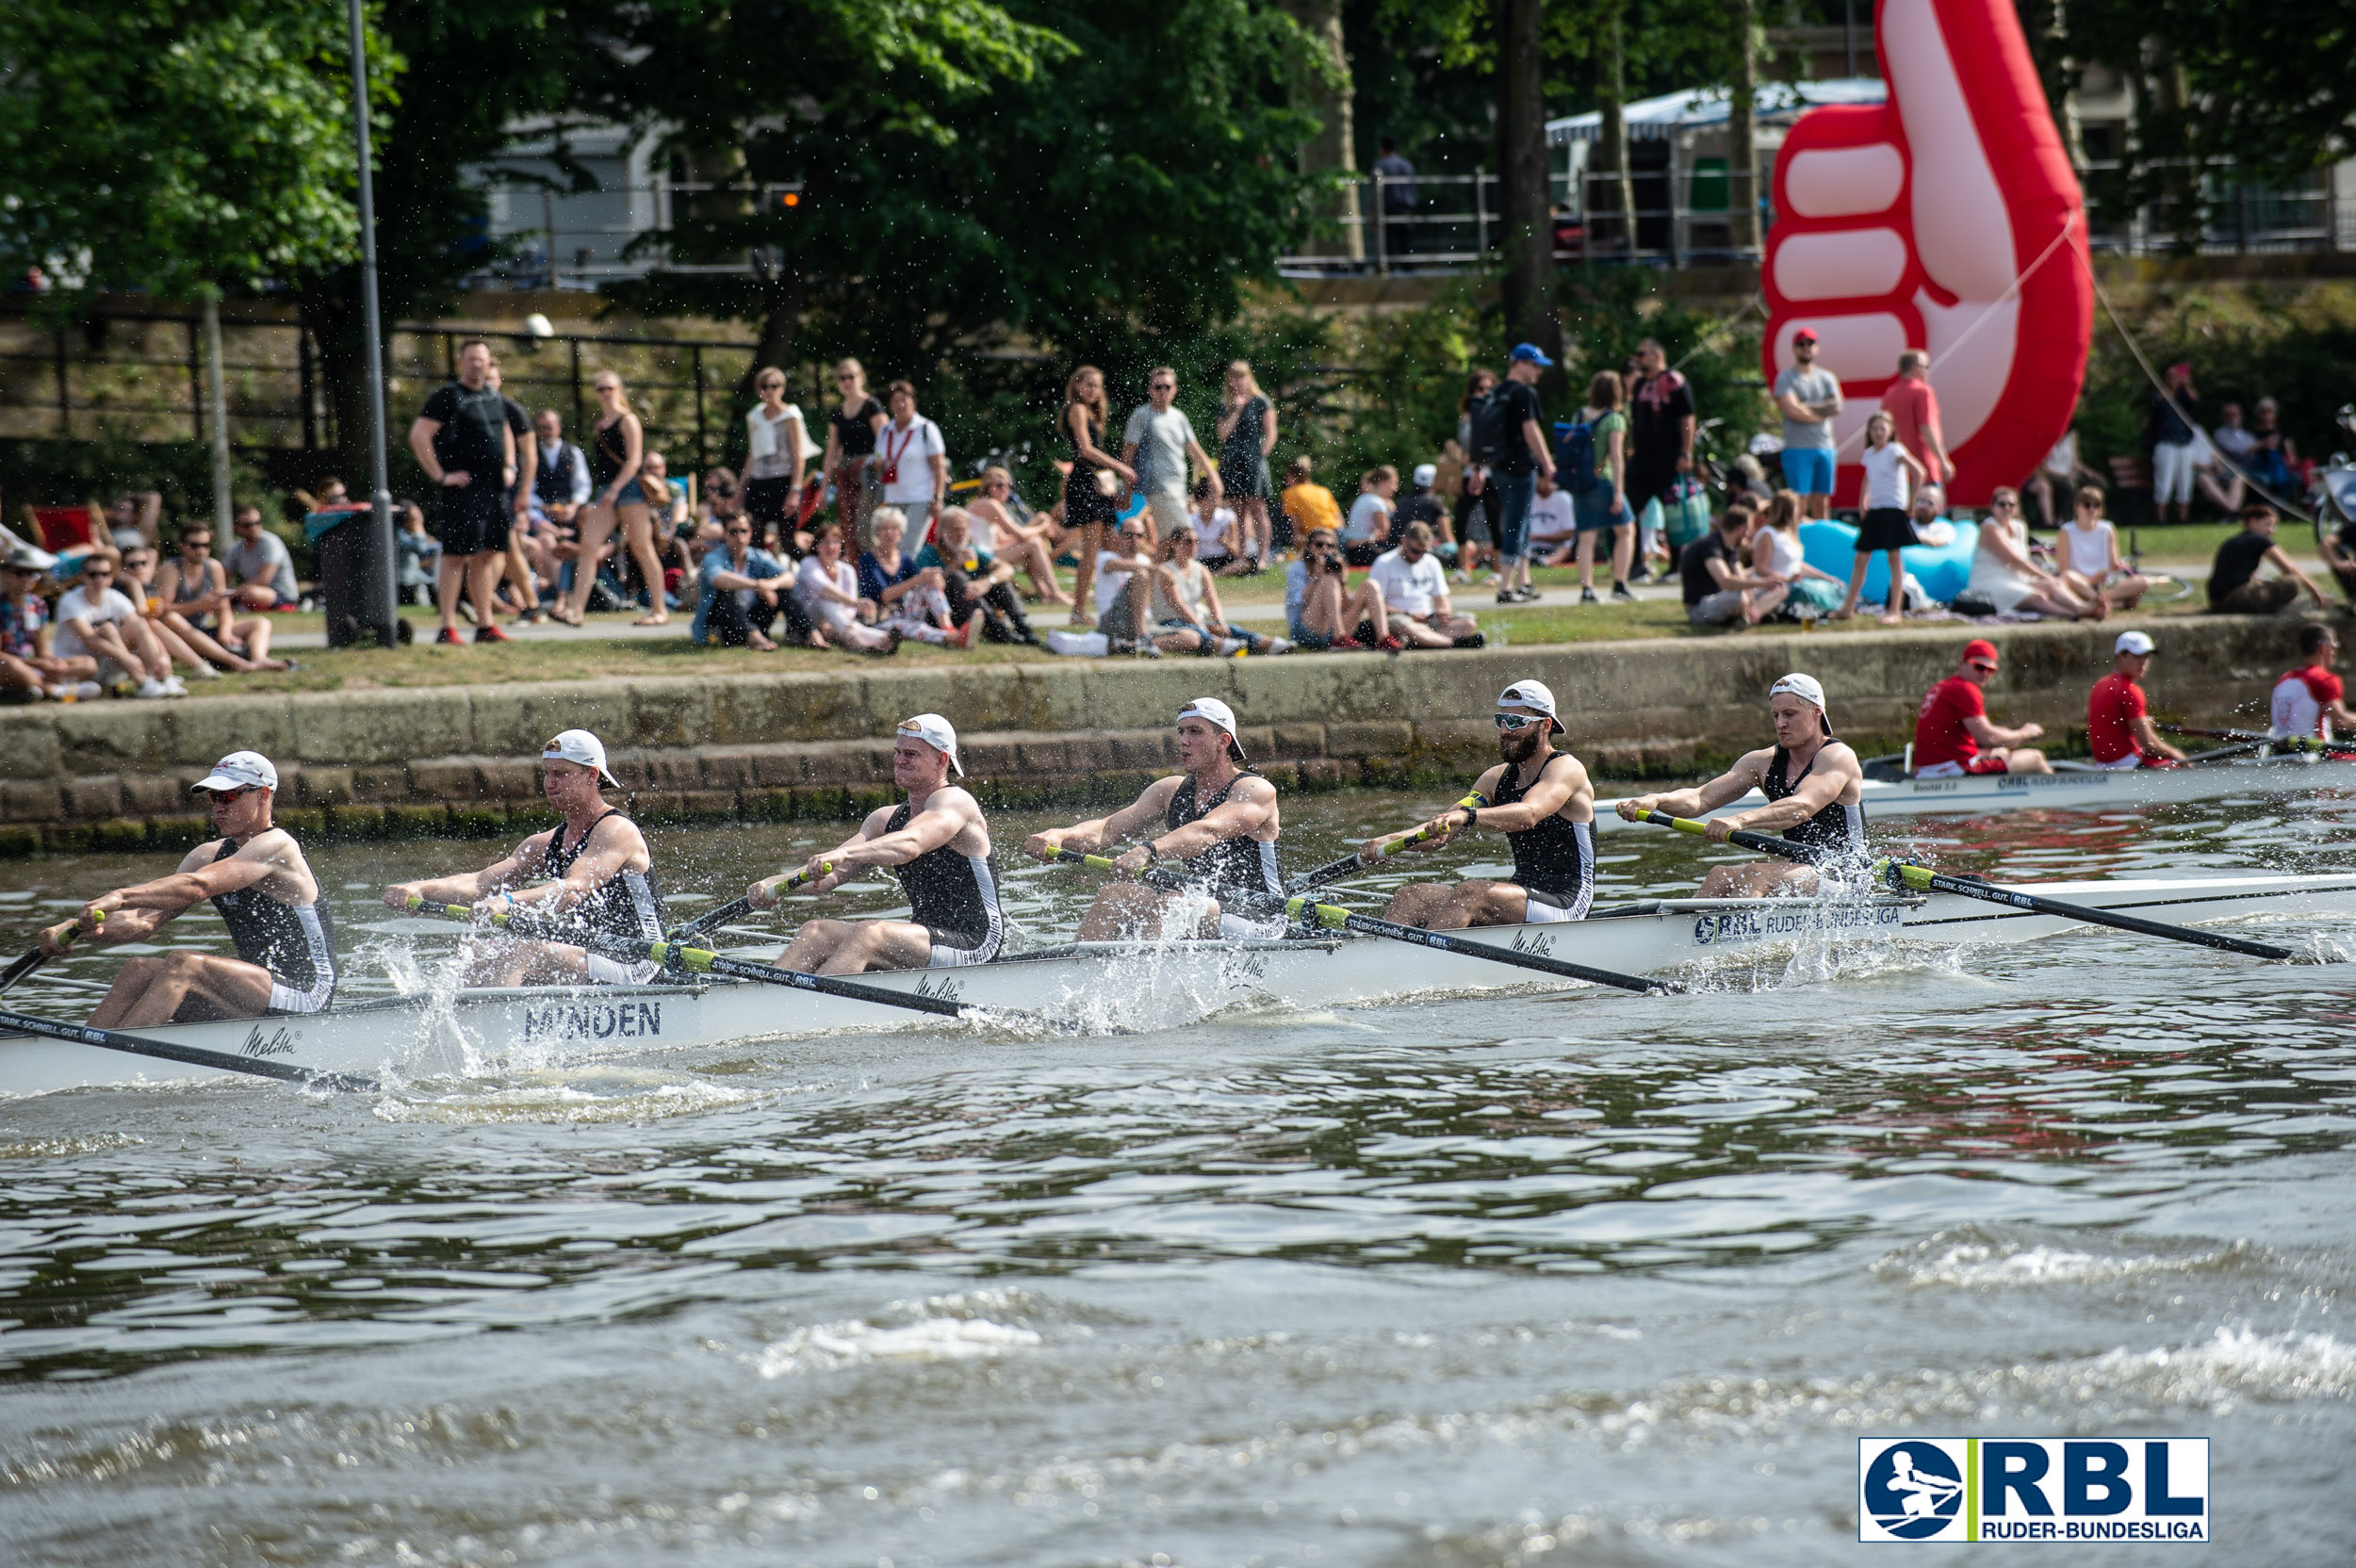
x=1217, y=842
x=1543, y=803
x=937, y=842
x=590, y=872
x=1814, y=787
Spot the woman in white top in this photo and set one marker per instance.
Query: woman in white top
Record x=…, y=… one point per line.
x=1187, y=607
x=777, y=455
x=2091, y=564
x=1775, y=550
x=828, y=587
x=995, y=531
x=2003, y=569
x=1890, y=475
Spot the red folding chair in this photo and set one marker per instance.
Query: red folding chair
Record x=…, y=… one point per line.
x=60, y=529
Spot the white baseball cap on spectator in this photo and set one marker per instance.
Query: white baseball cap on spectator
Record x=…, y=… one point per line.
x=2135, y=642
x=1426, y=476
x=935, y=731
x=1534, y=695
x=580, y=746
x=239, y=770
x=1219, y=716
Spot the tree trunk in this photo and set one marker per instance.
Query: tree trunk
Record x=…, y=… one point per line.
x=1612, y=134
x=1741, y=132
x=1333, y=149
x=216, y=406
x=1523, y=199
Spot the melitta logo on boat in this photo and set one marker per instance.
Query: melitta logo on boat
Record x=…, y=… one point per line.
x=944, y=987
x=2078, y=1489
x=278, y=1042
x=1538, y=942
x=584, y=1020
x=1775, y=925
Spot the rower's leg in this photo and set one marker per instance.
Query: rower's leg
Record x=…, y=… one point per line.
x=1429, y=905
x=2026, y=760
x=814, y=944
x=190, y=987
x=880, y=944
x=122, y=1002
x=1126, y=912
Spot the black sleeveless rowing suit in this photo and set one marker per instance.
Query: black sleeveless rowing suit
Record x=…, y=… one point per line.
x=1240, y=873
x=1554, y=862
x=953, y=897
x=625, y=907
x=295, y=942
x=1836, y=828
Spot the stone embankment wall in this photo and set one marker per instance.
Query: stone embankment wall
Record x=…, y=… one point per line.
x=817, y=746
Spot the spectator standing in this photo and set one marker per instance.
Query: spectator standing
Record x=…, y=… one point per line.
x=522, y=579
x=742, y=590
x=1367, y=532
x=1247, y=433
x=1891, y=474
x=1510, y=439
x=777, y=456
x=1599, y=495
x=1308, y=504
x=1479, y=505
x=998, y=531
x=1094, y=482
x=912, y=460
x=463, y=442
x=1159, y=441
x=2234, y=586
x=1809, y=399
x=27, y=660
x=560, y=471
x=261, y=570
x=1397, y=185
x=1414, y=593
x=1321, y=611
x=828, y=587
x=976, y=582
x=1719, y=589
x=618, y=452
x=851, y=432
x=1913, y=410
x=1423, y=505
x=1661, y=431
x=2175, y=437
x=95, y=621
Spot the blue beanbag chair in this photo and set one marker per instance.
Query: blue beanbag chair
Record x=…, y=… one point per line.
x=1943, y=570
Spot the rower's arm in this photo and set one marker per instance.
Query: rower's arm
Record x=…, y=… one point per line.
x=2147, y=735
x=943, y=818
x=1246, y=808
x=1101, y=833
x=470, y=886
x=1835, y=769
x=606, y=855
x=1436, y=831
x=1978, y=726
x=1558, y=787
x=139, y=910
x=1733, y=784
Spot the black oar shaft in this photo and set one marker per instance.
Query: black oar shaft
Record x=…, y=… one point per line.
x=136, y=1045
x=710, y=918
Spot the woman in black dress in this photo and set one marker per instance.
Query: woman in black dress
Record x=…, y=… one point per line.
x=850, y=442
x=1247, y=433
x=1096, y=479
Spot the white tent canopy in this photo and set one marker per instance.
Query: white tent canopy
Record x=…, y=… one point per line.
x=1697, y=107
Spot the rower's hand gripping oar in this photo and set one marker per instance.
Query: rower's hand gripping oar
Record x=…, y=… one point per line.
x=737, y=907
x=1166, y=881
x=1334, y=870
x=695, y=960
x=25, y=963
x=1903, y=876
x=1334, y=918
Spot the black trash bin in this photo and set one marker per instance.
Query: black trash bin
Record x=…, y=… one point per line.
x=344, y=549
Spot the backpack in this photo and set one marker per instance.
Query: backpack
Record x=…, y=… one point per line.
x=1490, y=436
x=1574, y=458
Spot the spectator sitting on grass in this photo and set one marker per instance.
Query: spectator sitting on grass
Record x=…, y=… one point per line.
x=1321, y=611
x=886, y=574
x=1424, y=506
x=828, y=587
x=1367, y=533
x=1186, y=603
x=1415, y=591
x=96, y=621
x=261, y=572
x=27, y=664
x=744, y=590
x=2234, y=586
x=1308, y=505
x=193, y=599
x=1124, y=593
x=1552, y=524
x=1718, y=590
x=974, y=581
x=418, y=553
x=1215, y=533
x=997, y=530
x=922, y=609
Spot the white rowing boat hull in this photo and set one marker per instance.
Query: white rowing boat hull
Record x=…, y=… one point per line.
x=1108, y=986
x=2091, y=790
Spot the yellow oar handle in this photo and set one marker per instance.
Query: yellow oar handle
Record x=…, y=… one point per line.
x=800, y=878
x=1906, y=871
x=1682, y=825
x=698, y=959
x=74, y=930
x=1332, y=916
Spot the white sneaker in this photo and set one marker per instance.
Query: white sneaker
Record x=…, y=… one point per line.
x=88, y=691
x=153, y=688
x=173, y=687
x=1279, y=645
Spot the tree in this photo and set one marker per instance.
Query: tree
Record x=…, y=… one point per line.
x=178, y=148
x=1523, y=194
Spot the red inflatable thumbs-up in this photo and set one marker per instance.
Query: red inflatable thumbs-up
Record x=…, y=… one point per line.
x=1907, y=224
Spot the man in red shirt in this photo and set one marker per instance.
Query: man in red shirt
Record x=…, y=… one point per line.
x=2118, y=724
x=1953, y=736
x=2310, y=699
x=1913, y=410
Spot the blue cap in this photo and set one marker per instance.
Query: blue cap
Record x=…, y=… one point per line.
x=1533, y=354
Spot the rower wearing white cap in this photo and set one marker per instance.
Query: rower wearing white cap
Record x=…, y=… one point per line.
x=593, y=870
x=2119, y=721
x=1219, y=821
x=937, y=843
x=256, y=878
x=1815, y=795
x=1543, y=803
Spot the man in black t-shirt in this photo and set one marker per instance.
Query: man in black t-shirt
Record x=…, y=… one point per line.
x=1660, y=432
x=1718, y=590
x=1523, y=453
x=2234, y=586
x=463, y=442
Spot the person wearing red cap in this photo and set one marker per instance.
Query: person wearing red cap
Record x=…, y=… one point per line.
x=2119, y=721
x=1809, y=399
x=1953, y=736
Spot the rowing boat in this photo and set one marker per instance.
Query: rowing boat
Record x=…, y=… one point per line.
x=1108, y=986
x=2080, y=789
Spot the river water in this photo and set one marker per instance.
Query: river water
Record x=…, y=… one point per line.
x=1542, y=1278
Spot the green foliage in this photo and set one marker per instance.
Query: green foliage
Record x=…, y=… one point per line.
x=1608, y=311
x=174, y=146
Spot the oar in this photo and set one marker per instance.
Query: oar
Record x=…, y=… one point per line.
x=1901, y=875
x=1166, y=880
x=697, y=961
x=1334, y=870
x=2338, y=750
x=736, y=907
x=260, y=1067
x=1333, y=917
x=28, y=961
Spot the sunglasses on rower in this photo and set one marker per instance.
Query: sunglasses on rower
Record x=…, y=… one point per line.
x=1513, y=724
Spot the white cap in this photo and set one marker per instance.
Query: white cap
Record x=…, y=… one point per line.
x=1808, y=689
x=935, y=731
x=239, y=770
x=1220, y=716
x=579, y=745
x=1532, y=694
x=2133, y=641
x=1426, y=476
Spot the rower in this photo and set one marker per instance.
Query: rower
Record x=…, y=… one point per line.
x=592, y=870
x=2309, y=700
x=1219, y=821
x=1953, y=736
x=1814, y=787
x=256, y=878
x=2118, y=722
x=938, y=841
x=1542, y=800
